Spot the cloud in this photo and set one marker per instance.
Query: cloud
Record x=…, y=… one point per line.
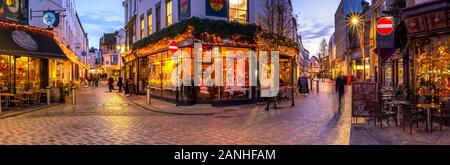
x=313, y=29
x=97, y=22
x=324, y=31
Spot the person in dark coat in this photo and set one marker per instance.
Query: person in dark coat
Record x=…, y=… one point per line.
x=120, y=84
x=111, y=84
x=340, y=88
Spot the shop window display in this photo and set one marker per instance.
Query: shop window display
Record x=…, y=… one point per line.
x=27, y=76
x=433, y=68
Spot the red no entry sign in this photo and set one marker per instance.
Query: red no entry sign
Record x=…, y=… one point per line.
x=173, y=47
x=385, y=26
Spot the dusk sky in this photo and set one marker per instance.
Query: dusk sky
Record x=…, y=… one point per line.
x=316, y=19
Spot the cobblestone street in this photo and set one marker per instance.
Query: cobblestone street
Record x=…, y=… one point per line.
x=107, y=118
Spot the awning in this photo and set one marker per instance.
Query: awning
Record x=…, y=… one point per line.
x=385, y=53
x=20, y=40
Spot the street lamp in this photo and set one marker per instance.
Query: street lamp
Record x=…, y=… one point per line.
x=357, y=23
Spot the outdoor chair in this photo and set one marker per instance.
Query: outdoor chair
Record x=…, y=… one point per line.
x=17, y=101
x=379, y=114
x=4, y=102
x=36, y=97
x=443, y=115
x=411, y=117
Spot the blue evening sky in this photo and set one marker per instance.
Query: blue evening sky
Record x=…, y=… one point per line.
x=316, y=18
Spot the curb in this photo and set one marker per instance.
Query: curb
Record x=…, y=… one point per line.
x=10, y=114
x=165, y=112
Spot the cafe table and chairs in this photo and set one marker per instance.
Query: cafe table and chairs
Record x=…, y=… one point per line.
x=25, y=97
x=36, y=97
x=429, y=108
x=5, y=97
x=378, y=113
x=442, y=114
x=411, y=117
x=17, y=101
x=398, y=104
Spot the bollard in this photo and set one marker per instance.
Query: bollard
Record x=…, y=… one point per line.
x=48, y=96
x=74, y=98
x=318, y=81
x=149, y=96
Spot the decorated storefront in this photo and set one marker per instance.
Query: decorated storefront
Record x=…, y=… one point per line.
x=32, y=59
x=151, y=63
x=429, y=28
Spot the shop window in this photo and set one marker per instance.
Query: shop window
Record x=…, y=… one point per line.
x=238, y=11
x=27, y=76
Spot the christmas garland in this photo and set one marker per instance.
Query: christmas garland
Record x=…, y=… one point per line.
x=223, y=29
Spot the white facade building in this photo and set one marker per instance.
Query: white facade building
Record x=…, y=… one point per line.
x=145, y=17
x=70, y=29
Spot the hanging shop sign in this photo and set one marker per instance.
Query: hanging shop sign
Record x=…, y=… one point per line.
x=51, y=18
x=361, y=94
x=217, y=8
x=184, y=8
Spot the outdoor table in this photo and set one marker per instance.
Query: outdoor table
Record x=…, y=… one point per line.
x=27, y=95
x=398, y=103
x=7, y=97
x=428, y=107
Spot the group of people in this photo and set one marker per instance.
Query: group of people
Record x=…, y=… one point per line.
x=93, y=80
x=111, y=84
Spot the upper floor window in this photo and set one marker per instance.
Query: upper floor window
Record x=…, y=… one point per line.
x=238, y=11
x=150, y=22
x=142, y=27
x=169, y=12
x=158, y=17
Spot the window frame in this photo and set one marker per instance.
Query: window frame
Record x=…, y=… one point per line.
x=237, y=10
x=149, y=22
x=169, y=13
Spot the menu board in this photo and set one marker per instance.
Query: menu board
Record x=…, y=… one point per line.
x=362, y=93
x=303, y=85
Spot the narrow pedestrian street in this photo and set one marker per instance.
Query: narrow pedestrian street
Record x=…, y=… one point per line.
x=105, y=118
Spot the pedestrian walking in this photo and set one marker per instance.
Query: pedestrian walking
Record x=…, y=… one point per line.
x=111, y=84
x=340, y=89
x=120, y=84
x=127, y=88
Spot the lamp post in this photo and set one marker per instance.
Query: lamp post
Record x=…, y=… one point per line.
x=359, y=25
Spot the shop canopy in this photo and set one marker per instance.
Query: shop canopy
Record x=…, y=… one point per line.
x=20, y=40
x=385, y=53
